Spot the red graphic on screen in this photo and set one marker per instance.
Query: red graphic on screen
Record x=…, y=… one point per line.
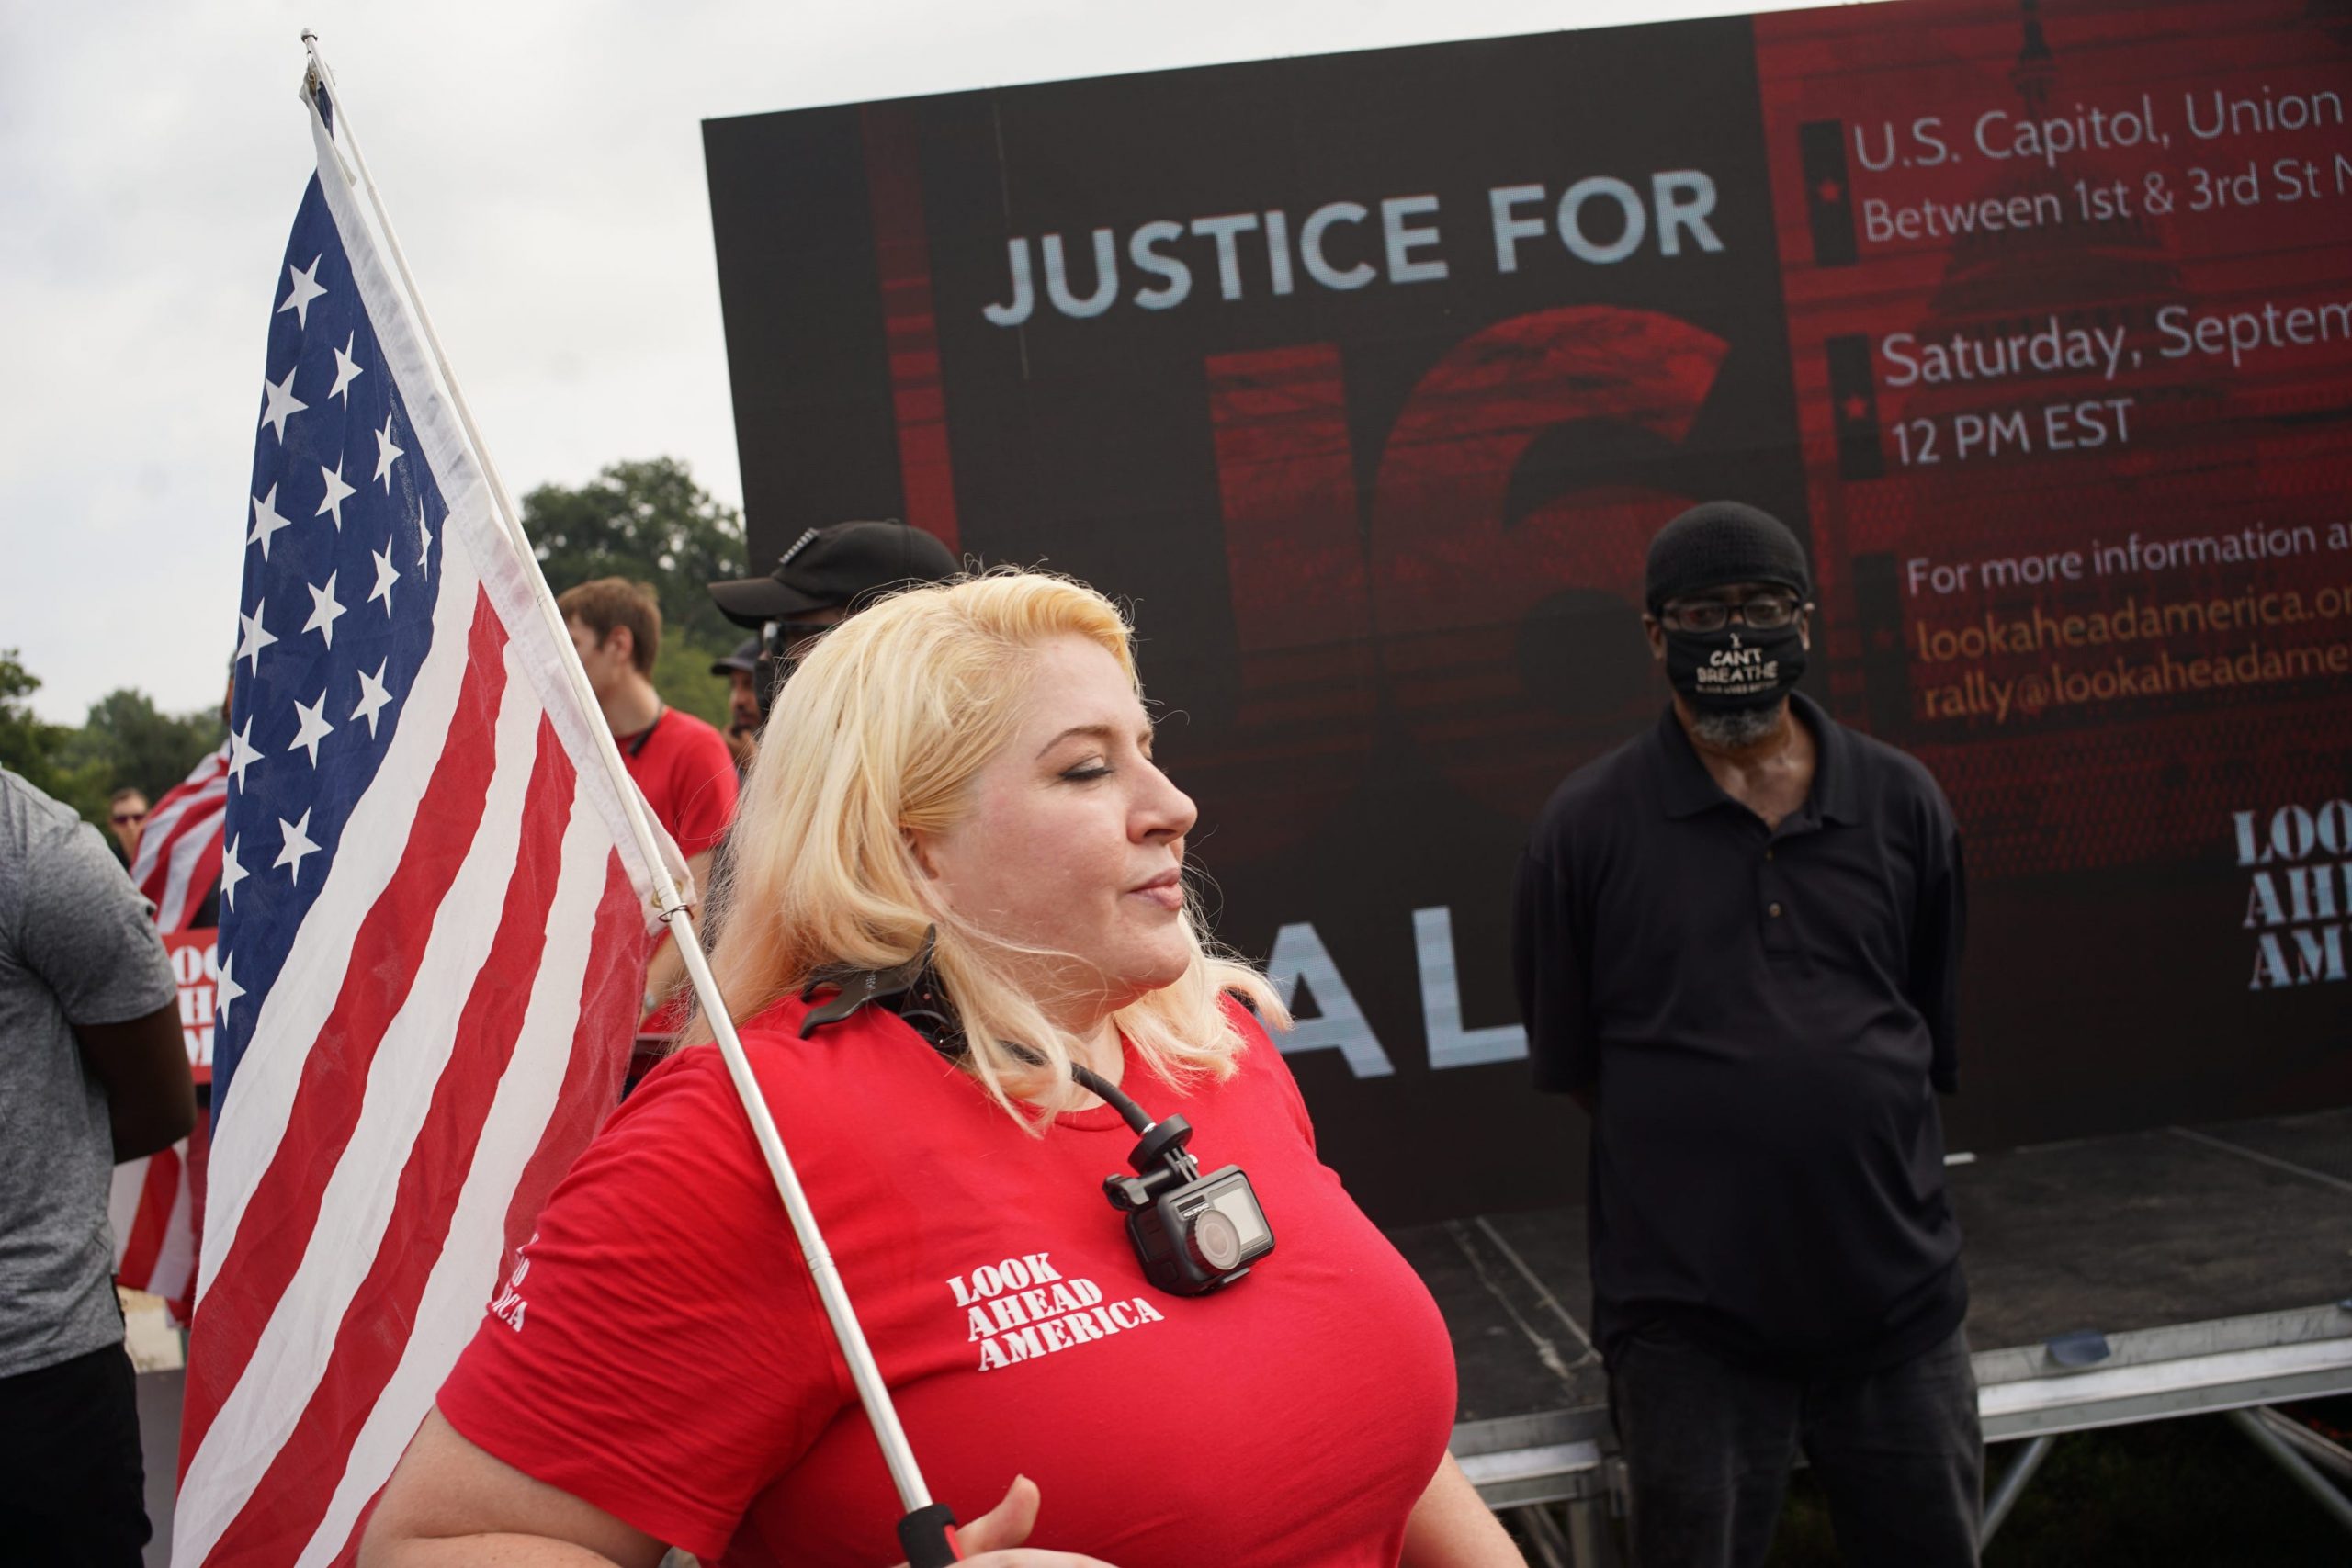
x=911, y=328
x=1457, y=575
x=2048, y=208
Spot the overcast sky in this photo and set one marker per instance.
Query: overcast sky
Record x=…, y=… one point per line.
x=543, y=163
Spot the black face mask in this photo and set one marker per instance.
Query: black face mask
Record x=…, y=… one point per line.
x=1736, y=670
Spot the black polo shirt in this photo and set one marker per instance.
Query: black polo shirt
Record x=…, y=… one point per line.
x=1760, y=1018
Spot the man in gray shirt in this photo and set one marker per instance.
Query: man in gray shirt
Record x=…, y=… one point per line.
x=93, y=1071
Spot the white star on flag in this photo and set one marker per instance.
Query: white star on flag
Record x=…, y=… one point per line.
x=298, y=844
x=372, y=696
x=386, y=452
x=283, y=404
x=324, y=610
x=225, y=990
x=347, y=371
x=425, y=538
x=231, y=873
x=265, y=520
x=385, y=578
x=314, y=728
x=336, y=492
x=306, y=287
x=241, y=754
x=257, y=637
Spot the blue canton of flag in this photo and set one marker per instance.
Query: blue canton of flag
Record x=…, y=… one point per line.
x=435, y=907
x=335, y=616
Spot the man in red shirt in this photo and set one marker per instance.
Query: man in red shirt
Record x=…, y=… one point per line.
x=681, y=763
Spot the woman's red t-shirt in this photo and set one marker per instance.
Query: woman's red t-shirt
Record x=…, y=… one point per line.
x=660, y=1351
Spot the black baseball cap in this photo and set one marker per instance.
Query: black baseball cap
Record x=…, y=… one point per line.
x=745, y=659
x=843, y=566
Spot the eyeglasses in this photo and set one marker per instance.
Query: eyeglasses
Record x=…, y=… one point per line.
x=125, y=819
x=1764, y=613
x=793, y=640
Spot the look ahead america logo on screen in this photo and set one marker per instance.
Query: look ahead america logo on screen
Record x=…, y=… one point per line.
x=1345, y=246
x=2300, y=891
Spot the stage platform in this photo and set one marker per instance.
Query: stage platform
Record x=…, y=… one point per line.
x=2111, y=1279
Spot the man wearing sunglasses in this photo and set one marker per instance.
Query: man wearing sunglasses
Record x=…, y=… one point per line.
x=126, y=814
x=1737, y=944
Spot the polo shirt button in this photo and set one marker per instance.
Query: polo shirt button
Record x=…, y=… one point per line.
x=1774, y=911
x=1767, y=854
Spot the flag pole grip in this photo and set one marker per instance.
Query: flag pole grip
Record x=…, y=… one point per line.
x=872, y=1390
x=927, y=1538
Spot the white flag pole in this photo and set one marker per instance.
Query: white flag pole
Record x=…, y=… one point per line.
x=872, y=1392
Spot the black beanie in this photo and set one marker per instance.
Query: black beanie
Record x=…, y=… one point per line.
x=1721, y=542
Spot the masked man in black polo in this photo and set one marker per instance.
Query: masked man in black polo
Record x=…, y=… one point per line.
x=1737, y=942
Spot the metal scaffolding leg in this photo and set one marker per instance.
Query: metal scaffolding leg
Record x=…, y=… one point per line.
x=1543, y=1538
x=2298, y=1470
x=1589, y=1537
x=2013, y=1480
x=2333, y=1458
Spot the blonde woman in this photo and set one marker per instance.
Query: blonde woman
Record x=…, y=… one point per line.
x=964, y=770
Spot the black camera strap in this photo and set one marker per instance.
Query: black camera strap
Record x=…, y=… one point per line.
x=1167, y=1187
x=911, y=990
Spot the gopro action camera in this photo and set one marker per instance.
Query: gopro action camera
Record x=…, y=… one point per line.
x=1194, y=1234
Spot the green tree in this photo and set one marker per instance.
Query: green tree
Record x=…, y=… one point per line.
x=36, y=750
x=134, y=745
x=649, y=521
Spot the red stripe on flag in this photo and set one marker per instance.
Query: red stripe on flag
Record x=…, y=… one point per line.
x=278, y=1218
x=206, y=872
x=611, y=994
x=203, y=816
x=180, y=799
x=287, y=1504
x=159, y=1189
x=199, y=1154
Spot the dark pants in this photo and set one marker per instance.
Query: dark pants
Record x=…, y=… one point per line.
x=1708, y=1445
x=72, y=1481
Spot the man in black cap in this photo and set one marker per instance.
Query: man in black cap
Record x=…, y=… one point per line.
x=741, y=670
x=824, y=577
x=1737, y=944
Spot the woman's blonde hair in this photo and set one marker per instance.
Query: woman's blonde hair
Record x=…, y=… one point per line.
x=882, y=730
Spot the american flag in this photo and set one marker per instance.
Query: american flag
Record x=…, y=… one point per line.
x=179, y=848
x=434, y=917
x=155, y=1200
x=153, y=1208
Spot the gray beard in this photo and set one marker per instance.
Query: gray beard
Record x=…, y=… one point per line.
x=1737, y=730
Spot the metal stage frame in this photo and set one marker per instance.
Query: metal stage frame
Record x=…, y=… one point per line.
x=2138, y=1277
